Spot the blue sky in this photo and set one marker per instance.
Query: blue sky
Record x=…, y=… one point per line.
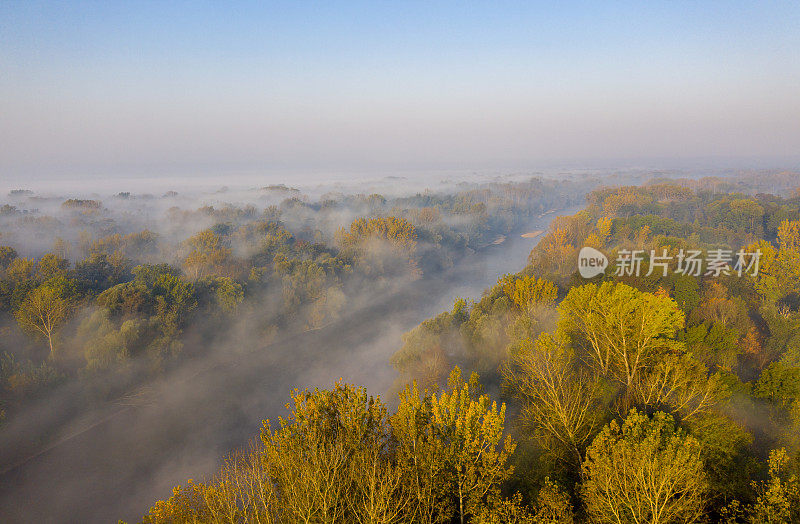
x=162, y=87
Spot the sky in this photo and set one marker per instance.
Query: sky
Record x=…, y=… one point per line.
x=111, y=89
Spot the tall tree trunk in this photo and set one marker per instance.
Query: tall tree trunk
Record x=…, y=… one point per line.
x=460, y=503
x=52, y=355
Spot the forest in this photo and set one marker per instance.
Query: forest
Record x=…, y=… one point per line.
x=106, y=295
x=661, y=398
x=281, y=262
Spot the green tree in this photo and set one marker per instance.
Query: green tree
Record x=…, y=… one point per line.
x=621, y=329
x=100, y=272
x=20, y=270
x=7, y=255
x=779, y=383
x=228, y=294
x=779, y=269
x=682, y=384
x=778, y=499
x=423, y=356
x=51, y=266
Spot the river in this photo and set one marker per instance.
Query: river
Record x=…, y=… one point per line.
x=118, y=459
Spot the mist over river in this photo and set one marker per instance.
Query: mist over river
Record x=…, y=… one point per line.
x=115, y=459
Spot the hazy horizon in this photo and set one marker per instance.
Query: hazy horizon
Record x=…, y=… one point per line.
x=147, y=90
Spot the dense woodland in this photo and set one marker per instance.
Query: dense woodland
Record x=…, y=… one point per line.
x=654, y=398
x=108, y=294
x=659, y=399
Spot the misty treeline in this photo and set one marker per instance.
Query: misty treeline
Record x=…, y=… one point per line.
x=662, y=398
x=88, y=297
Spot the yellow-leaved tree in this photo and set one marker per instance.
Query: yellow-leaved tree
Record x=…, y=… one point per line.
x=43, y=311
x=560, y=401
x=527, y=291
x=208, y=255
x=622, y=330
x=452, y=449
x=646, y=471
x=338, y=457
x=381, y=245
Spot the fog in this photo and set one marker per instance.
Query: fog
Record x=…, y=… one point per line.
x=115, y=461
x=108, y=440
x=105, y=444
